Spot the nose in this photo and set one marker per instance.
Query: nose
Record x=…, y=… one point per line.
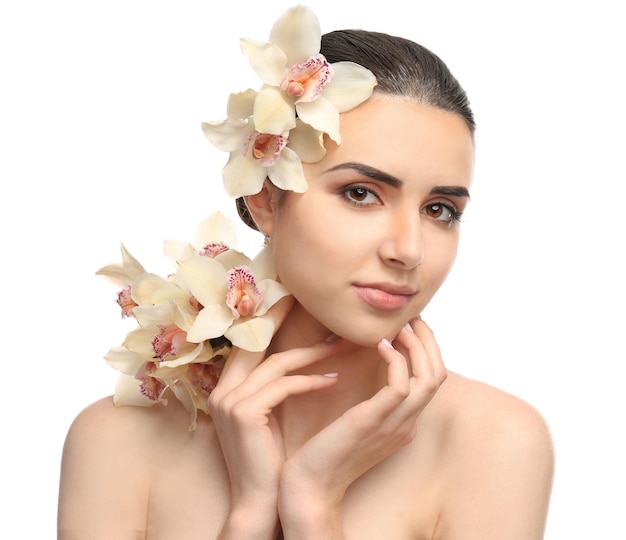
x=402, y=245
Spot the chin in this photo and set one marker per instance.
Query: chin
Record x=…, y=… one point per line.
x=366, y=336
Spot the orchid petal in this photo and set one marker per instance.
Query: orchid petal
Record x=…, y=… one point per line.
x=227, y=135
x=184, y=395
x=216, y=228
x=288, y=172
x=210, y=323
x=322, y=115
x=251, y=334
x=139, y=342
x=189, y=356
x=268, y=61
x=273, y=112
x=150, y=315
x=177, y=250
x=307, y=142
x=128, y=392
x=168, y=293
x=124, y=360
x=351, y=85
x=263, y=264
x=122, y=274
x=272, y=293
x=144, y=286
x=232, y=258
x=241, y=104
x=298, y=33
x=243, y=175
x=205, y=278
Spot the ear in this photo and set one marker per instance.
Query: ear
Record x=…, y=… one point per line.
x=261, y=206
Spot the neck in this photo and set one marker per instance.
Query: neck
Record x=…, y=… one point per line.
x=360, y=374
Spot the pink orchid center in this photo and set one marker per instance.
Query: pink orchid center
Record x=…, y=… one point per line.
x=243, y=297
x=126, y=302
x=150, y=386
x=168, y=341
x=205, y=376
x=305, y=81
x=265, y=147
x=213, y=249
x=194, y=303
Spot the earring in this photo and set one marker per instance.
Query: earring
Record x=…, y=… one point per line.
x=267, y=238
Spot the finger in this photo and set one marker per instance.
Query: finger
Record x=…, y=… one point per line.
x=397, y=387
x=255, y=407
x=238, y=366
x=427, y=337
x=280, y=364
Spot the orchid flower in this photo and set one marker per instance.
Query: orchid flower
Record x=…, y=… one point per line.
x=215, y=235
x=255, y=156
x=234, y=301
x=300, y=81
x=137, y=284
x=271, y=132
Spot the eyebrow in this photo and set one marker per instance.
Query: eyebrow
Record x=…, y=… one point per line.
x=376, y=174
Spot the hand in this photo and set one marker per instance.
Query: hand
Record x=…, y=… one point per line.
x=241, y=408
x=323, y=469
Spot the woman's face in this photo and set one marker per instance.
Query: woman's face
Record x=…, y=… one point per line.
x=366, y=247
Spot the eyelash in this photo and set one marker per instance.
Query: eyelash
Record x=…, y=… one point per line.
x=455, y=215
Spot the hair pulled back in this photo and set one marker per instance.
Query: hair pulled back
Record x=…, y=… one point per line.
x=401, y=67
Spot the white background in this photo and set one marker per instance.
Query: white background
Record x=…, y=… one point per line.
x=100, y=106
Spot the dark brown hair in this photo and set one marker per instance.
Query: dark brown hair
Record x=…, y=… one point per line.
x=401, y=67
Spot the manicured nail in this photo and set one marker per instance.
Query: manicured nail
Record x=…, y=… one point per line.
x=386, y=343
x=331, y=375
x=408, y=327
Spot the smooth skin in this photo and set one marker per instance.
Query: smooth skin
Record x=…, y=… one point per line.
x=362, y=436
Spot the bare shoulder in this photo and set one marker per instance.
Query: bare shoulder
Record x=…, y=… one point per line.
x=104, y=427
x=481, y=411
x=497, y=449
x=109, y=459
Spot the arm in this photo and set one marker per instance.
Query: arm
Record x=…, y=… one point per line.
x=104, y=484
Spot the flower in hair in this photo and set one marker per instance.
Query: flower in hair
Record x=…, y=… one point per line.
x=187, y=323
x=270, y=132
x=255, y=156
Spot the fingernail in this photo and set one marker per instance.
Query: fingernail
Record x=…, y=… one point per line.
x=331, y=375
x=332, y=338
x=408, y=327
x=386, y=343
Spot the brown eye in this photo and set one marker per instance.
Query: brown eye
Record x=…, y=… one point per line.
x=435, y=210
x=358, y=194
x=442, y=212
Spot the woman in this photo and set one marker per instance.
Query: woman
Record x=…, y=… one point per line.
x=347, y=425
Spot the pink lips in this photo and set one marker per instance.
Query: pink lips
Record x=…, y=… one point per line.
x=385, y=296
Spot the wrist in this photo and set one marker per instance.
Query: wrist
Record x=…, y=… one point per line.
x=310, y=518
x=251, y=522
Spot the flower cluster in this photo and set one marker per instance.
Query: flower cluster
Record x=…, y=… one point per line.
x=270, y=133
x=217, y=297
x=187, y=323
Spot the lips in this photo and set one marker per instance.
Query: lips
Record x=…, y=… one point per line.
x=385, y=296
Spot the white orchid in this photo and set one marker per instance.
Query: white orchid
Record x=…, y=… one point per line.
x=271, y=132
x=215, y=235
x=234, y=302
x=299, y=80
x=255, y=156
